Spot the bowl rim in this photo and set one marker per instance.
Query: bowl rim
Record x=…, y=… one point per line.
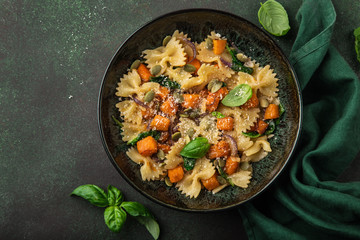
x=101, y=130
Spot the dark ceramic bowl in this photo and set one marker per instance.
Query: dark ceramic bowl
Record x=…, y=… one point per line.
x=198, y=23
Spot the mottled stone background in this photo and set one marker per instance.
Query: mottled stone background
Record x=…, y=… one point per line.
x=53, y=55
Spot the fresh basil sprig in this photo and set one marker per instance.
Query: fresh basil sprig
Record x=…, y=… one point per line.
x=357, y=42
x=237, y=65
x=273, y=17
x=117, y=209
x=196, y=148
x=238, y=96
x=165, y=82
x=155, y=134
x=218, y=114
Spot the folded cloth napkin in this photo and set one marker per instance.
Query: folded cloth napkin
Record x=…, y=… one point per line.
x=306, y=202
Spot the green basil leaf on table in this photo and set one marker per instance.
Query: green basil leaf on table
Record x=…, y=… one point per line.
x=93, y=194
x=236, y=64
x=273, y=17
x=189, y=163
x=155, y=134
x=115, y=218
x=144, y=217
x=357, y=42
x=165, y=82
x=218, y=114
x=115, y=196
x=196, y=148
x=238, y=96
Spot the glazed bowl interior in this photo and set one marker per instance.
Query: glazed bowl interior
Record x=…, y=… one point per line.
x=198, y=23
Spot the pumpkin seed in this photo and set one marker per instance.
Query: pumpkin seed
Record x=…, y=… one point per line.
x=209, y=44
x=135, y=64
x=244, y=166
x=161, y=154
x=194, y=114
x=189, y=68
x=149, y=96
x=176, y=136
x=168, y=182
x=166, y=40
x=221, y=163
x=184, y=115
x=178, y=97
x=155, y=69
x=211, y=83
x=216, y=86
x=221, y=180
x=216, y=163
x=263, y=102
x=190, y=132
x=241, y=57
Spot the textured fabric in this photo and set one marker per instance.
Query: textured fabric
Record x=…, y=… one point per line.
x=306, y=202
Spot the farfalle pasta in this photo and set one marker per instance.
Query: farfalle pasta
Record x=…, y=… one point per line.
x=198, y=115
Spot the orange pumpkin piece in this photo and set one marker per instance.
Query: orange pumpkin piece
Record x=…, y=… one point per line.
x=147, y=113
x=226, y=123
x=163, y=92
x=147, y=146
x=261, y=126
x=160, y=123
x=231, y=165
x=252, y=102
x=190, y=100
x=169, y=107
x=219, y=46
x=221, y=149
x=213, y=99
x=211, y=183
x=144, y=72
x=272, y=112
x=176, y=174
x=164, y=147
x=196, y=63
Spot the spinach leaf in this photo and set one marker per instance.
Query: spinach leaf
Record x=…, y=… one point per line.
x=143, y=216
x=281, y=112
x=114, y=196
x=165, y=82
x=197, y=148
x=251, y=134
x=357, y=42
x=273, y=17
x=225, y=176
x=238, y=96
x=189, y=163
x=114, y=218
x=117, y=121
x=237, y=65
x=93, y=194
x=155, y=134
x=271, y=128
x=218, y=114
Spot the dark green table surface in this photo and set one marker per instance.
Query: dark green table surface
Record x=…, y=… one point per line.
x=53, y=55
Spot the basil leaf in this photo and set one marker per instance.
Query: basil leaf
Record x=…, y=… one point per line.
x=236, y=64
x=115, y=196
x=238, y=96
x=251, y=134
x=93, y=194
x=273, y=17
x=151, y=225
x=116, y=121
x=357, y=42
x=135, y=209
x=165, y=82
x=189, y=163
x=197, y=148
x=271, y=128
x=115, y=218
x=144, y=217
x=218, y=114
x=155, y=134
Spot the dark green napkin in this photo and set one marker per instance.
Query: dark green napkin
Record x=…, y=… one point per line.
x=306, y=202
